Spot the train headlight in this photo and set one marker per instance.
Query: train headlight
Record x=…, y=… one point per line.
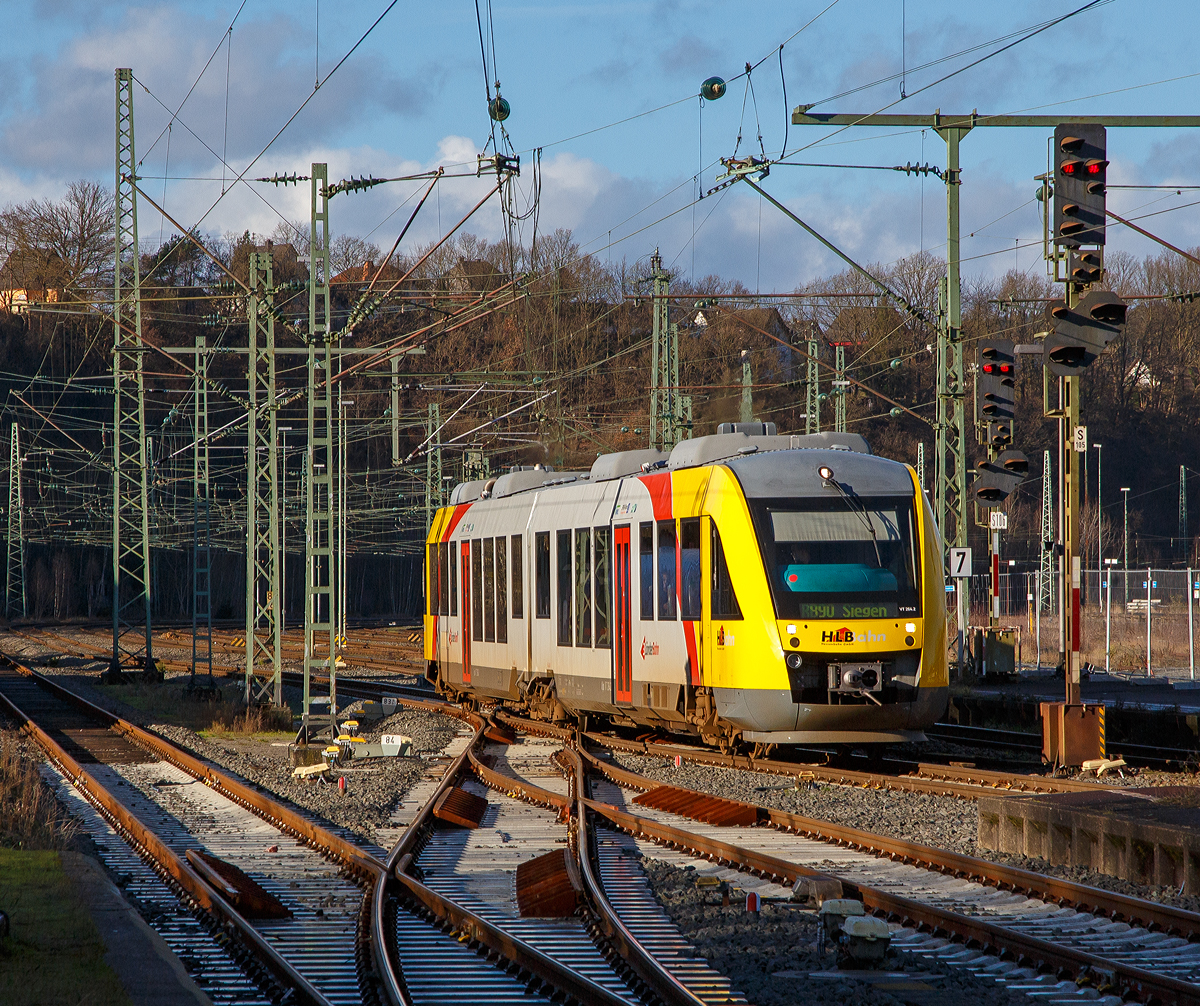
x=794, y=660
x=826, y=473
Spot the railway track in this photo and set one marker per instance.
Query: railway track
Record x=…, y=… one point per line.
x=401, y=942
x=1036, y=934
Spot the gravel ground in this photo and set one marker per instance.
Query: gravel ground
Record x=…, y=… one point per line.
x=751, y=949
x=372, y=786
x=943, y=822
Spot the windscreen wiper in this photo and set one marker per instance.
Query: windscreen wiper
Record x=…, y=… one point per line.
x=827, y=474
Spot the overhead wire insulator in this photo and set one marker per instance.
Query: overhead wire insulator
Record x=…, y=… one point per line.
x=278, y=179
x=713, y=88
x=353, y=184
x=499, y=109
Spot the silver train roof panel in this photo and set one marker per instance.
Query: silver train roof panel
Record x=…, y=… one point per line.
x=794, y=473
x=720, y=446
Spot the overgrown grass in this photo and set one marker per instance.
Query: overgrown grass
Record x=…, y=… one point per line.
x=54, y=952
x=226, y=713
x=30, y=816
x=255, y=720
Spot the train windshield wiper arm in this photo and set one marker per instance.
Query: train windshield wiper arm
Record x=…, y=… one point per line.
x=860, y=514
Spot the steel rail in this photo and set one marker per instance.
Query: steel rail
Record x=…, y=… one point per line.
x=1149, y=914
x=177, y=873
x=664, y=985
x=468, y=925
x=1084, y=968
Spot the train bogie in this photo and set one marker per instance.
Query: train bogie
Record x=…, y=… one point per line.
x=778, y=589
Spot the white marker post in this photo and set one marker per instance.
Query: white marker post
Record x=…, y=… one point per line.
x=960, y=569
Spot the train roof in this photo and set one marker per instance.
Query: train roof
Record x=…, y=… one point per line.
x=740, y=450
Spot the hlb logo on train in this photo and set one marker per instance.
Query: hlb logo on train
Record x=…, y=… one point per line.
x=649, y=649
x=842, y=635
x=846, y=635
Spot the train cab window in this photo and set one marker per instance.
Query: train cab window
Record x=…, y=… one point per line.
x=646, y=569
x=583, y=587
x=501, y=589
x=723, y=601
x=602, y=599
x=452, y=566
x=689, y=568
x=431, y=579
x=443, y=580
x=489, y=590
x=666, y=570
x=564, y=588
x=518, y=578
x=542, y=574
x=477, y=590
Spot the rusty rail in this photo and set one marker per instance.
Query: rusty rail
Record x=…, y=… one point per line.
x=1137, y=911
x=174, y=870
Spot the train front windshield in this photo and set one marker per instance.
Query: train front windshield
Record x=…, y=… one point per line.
x=840, y=558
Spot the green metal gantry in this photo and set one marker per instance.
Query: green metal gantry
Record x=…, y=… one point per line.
x=320, y=624
x=670, y=412
x=812, y=383
x=14, y=581
x=131, y=588
x=840, y=387
x=434, y=486
x=201, y=519
x=264, y=627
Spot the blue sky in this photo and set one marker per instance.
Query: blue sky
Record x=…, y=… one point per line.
x=412, y=97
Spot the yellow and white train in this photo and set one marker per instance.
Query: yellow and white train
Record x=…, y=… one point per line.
x=776, y=589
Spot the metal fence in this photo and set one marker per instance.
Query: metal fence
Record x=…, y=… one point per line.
x=1134, y=620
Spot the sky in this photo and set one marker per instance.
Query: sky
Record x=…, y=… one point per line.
x=605, y=98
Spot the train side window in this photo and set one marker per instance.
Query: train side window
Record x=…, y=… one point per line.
x=602, y=599
x=431, y=579
x=443, y=580
x=723, y=600
x=689, y=568
x=518, y=578
x=489, y=590
x=501, y=589
x=666, y=570
x=564, y=588
x=452, y=566
x=477, y=590
x=646, y=569
x=542, y=564
x=583, y=587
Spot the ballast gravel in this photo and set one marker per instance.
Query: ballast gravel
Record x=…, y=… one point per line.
x=942, y=822
x=373, y=786
x=769, y=955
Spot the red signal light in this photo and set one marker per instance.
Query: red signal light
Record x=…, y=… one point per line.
x=987, y=368
x=1068, y=167
x=1094, y=168
x=1005, y=368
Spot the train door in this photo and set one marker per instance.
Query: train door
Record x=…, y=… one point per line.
x=465, y=622
x=623, y=643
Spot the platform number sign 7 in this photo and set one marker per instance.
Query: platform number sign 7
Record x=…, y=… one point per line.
x=960, y=562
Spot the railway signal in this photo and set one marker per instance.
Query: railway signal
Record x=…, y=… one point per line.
x=996, y=479
x=1080, y=169
x=995, y=391
x=1081, y=333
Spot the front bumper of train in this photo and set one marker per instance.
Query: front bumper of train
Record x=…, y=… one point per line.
x=770, y=716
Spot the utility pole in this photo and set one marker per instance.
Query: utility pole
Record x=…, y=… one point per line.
x=921, y=465
x=1046, y=587
x=132, y=595
x=14, y=591
x=812, y=383
x=201, y=519
x=747, y=411
x=670, y=412
x=395, y=359
x=320, y=627
x=1183, y=510
x=264, y=639
x=433, y=465
x=840, y=387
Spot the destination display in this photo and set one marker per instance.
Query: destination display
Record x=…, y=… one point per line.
x=850, y=609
